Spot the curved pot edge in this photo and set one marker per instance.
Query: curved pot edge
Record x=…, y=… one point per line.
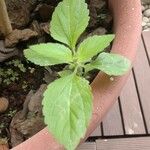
x=105, y=92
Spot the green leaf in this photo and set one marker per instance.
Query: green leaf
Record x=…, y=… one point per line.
x=92, y=46
x=48, y=54
x=67, y=107
x=69, y=20
x=111, y=64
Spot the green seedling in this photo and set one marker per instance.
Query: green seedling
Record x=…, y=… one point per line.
x=9, y=75
x=11, y=113
x=67, y=102
x=17, y=63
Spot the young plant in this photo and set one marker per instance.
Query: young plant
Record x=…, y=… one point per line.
x=67, y=102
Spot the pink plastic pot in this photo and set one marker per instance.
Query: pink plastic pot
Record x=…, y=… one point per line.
x=127, y=27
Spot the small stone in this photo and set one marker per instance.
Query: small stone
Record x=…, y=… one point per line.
x=143, y=8
x=3, y=104
x=145, y=27
x=145, y=19
x=146, y=7
x=147, y=13
x=148, y=24
x=111, y=79
x=145, y=1
x=142, y=3
x=143, y=23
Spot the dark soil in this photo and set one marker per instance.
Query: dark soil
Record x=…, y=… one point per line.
x=16, y=92
x=31, y=79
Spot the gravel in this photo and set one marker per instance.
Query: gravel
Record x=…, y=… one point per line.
x=145, y=8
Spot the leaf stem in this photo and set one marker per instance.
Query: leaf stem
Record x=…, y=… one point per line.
x=73, y=51
x=76, y=69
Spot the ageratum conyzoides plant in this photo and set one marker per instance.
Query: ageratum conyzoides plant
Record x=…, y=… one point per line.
x=67, y=102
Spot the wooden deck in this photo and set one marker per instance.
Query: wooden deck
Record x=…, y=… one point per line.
x=127, y=125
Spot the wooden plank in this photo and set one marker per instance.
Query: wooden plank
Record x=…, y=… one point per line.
x=142, y=143
x=146, y=37
x=87, y=146
x=131, y=111
x=142, y=75
x=112, y=124
x=97, y=132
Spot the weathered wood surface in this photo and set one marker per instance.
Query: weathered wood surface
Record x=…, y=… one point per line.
x=130, y=116
x=131, y=111
x=142, y=76
x=97, y=132
x=88, y=146
x=113, y=121
x=146, y=40
x=142, y=143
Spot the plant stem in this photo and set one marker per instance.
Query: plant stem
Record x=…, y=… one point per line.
x=5, y=24
x=75, y=70
x=74, y=51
